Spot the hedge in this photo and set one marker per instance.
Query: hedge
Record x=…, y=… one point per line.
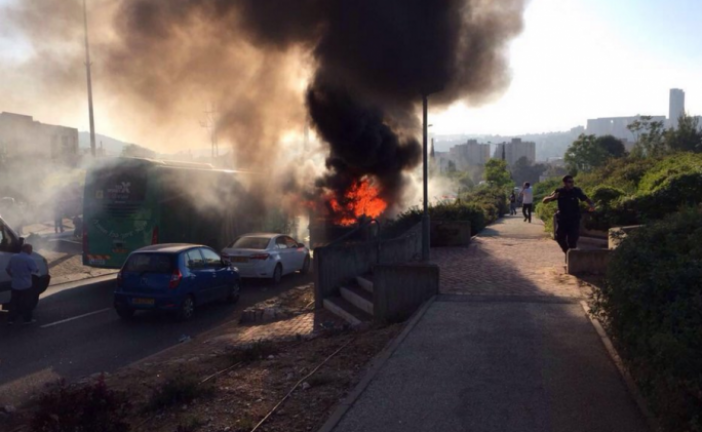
x=480, y=208
x=637, y=191
x=651, y=305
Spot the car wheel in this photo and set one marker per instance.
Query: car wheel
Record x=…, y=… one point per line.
x=305, y=266
x=187, y=309
x=233, y=295
x=125, y=312
x=277, y=274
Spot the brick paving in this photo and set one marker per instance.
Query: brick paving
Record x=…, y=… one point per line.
x=506, y=347
x=509, y=258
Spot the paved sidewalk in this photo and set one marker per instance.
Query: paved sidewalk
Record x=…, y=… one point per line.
x=506, y=347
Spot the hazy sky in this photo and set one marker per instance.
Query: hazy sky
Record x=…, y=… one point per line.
x=580, y=59
x=577, y=59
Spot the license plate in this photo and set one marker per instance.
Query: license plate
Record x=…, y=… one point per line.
x=143, y=301
x=240, y=259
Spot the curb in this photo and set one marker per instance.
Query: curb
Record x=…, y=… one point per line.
x=628, y=380
x=376, y=364
x=81, y=280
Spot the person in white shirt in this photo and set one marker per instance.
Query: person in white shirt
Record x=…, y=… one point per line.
x=24, y=298
x=527, y=201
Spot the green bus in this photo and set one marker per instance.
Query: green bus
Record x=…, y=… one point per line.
x=130, y=203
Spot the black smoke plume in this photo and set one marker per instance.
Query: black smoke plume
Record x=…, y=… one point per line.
x=370, y=63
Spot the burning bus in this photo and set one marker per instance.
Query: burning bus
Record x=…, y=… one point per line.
x=131, y=203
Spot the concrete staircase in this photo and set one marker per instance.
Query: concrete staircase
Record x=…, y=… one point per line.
x=355, y=302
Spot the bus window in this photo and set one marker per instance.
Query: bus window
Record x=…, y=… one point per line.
x=120, y=185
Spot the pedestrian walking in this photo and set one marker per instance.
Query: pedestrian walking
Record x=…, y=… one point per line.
x=58, y=218
x=21, y=268
x=527, y=201
x=513, y=204
x=77, y=227
x=568, y=215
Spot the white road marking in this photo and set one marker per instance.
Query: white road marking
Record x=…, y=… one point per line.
x=75, y=318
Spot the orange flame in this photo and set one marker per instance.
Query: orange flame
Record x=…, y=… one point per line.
x=361, y=199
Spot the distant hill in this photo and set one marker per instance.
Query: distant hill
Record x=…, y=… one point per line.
x=112, y=146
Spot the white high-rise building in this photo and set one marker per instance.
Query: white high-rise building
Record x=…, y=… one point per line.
x=677, y=107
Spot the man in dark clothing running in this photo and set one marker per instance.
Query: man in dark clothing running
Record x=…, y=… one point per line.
x=568, y=216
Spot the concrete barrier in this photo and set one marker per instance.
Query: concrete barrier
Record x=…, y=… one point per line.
x=399, y=290
x=588, y=261
x=333, y=265
x=618, y=234
x=449, y=233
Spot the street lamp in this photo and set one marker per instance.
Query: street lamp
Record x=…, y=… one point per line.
x=425, y=214
x=90, y=82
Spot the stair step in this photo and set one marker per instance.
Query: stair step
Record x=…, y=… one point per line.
x=358, y=297
x=365, y=282
x=345, y=310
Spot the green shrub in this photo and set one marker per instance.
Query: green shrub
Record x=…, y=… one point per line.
x=624, y=174
x=677, y=192
x=651, y=305
x=664, y=169
x=546, y=212
x=632, y=191
x=480, y=208
x=545, y=188
x=82, y=407
x=605, y=196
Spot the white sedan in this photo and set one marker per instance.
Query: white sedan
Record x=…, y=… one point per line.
x=267, y=256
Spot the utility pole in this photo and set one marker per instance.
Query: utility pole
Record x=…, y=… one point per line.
x=90, y=82
x=425, y=215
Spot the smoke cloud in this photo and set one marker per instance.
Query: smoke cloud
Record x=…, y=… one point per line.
x=355, y=69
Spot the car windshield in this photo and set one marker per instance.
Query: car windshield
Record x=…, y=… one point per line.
x=150, y=262
x=250, y=243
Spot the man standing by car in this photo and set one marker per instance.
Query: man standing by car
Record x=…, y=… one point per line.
x=21, y=268
x=568, y=216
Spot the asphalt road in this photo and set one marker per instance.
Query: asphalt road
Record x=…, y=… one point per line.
x=78, y=334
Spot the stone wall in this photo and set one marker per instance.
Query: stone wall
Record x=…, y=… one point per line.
x=449, y=233
x=337, y=263
x=400, y=289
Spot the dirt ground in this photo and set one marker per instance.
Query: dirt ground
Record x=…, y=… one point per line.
x=234, y=378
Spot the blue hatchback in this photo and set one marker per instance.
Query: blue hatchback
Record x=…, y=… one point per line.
x=174, y=277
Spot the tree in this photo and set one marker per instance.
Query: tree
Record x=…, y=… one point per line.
x=686, y=137
x=613, y=146
x=650, y=137
x=525, y=171
x=451, y=167
x=589, y=152
x=496, y=173
x=464, y=182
